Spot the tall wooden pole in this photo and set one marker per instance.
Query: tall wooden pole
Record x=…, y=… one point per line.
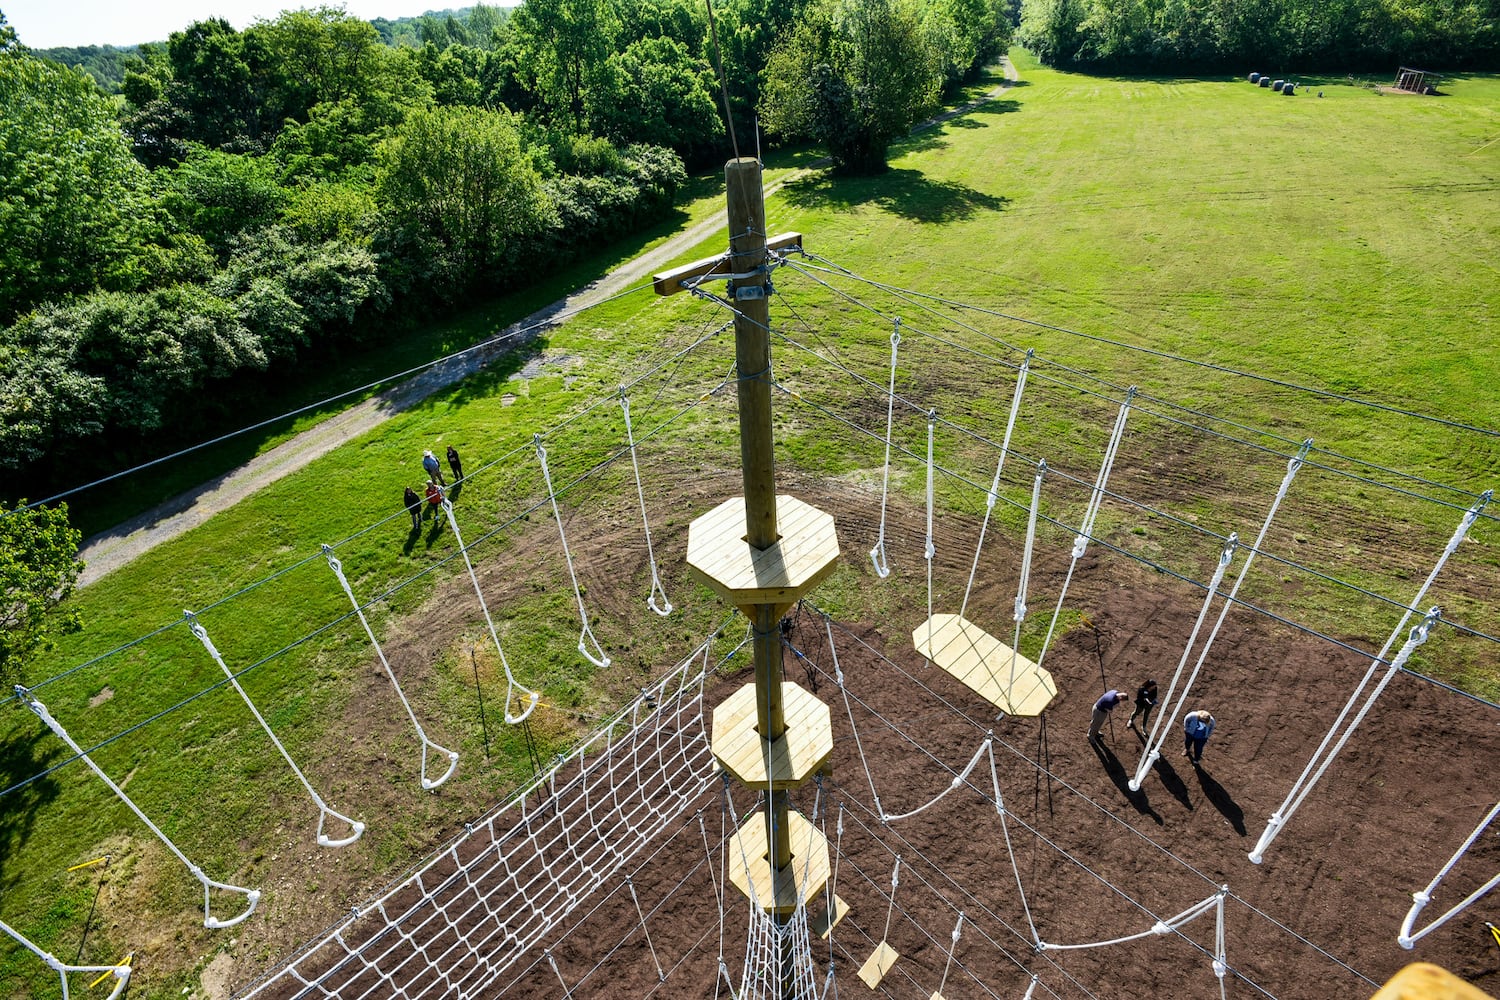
x=752, y=342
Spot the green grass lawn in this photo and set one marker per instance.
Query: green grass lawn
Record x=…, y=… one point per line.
x=1346, y=242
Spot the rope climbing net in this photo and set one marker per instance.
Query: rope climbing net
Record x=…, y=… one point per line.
x=458, y=923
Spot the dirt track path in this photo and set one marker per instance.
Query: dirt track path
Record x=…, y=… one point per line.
x=109, y=550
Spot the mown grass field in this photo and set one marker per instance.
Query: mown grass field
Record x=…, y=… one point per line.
x=1347, y=242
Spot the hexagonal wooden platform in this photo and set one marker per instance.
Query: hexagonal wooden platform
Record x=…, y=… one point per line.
x=989, y=667
x=749, y=863
x=794, y=758
x=719, y=557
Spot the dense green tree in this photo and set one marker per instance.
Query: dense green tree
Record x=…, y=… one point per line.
x=8, y=40
x=38, y=568
x=854, y=75
x=76, y=209
x=218, y=195
x=656, y=92
x=462, y=196
x=564, y=46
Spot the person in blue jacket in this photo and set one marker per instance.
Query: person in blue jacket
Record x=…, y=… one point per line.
x=1102, y=708
x=1198, y=727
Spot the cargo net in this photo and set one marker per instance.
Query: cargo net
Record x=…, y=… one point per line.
x=455, y=926
x=776, y=952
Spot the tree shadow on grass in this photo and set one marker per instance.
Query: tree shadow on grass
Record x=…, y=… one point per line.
x=906, y=193
x=21, y=757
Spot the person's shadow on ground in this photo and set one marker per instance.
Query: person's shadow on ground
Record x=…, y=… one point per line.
x=458, y=487
x=436, y=529
x=411, y=539
x=1116, y=772
x=1221, y=799
x=1168, y=774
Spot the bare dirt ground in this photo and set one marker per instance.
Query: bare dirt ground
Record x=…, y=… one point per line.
x=1319, y=918
x=109, y=550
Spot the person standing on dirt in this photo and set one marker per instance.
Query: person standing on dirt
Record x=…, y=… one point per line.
x=434, y=467
x=1102, y=708
x=413, y=507
x=1197, y=729
x=455, y=464
x=1145, y=701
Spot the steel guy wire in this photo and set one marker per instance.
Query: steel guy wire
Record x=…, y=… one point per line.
x=522, y=515
x=808, y=272
x=503, y=459
x=1167, y=355
x=1158, y=567
x=552, y=320
x=1084, y=796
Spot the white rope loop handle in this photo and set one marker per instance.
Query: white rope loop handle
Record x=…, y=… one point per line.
x=338, y=571
x=1408, y=937
x=1318, y=764
x=598, y=657
x=324, y=810
x=1009, y=849
x=121, y=972
x=209, y=920
x=1160, y=928
x=1165, y=719
x=665, y=607
x=512, y=686
x=1036, y=503
x=877, y=554
x=957, y=782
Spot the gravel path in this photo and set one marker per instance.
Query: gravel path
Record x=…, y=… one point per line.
x=109, y=550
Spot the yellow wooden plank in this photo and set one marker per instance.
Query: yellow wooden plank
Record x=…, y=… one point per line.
x=881, y=961
x=984, y=664
x=825, y=922
x=1424, y=981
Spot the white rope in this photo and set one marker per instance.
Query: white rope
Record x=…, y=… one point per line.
x=1020, y=607
x=598, y=658
x=1031, y=989
x=1409, y=937
x=338, y=571
x=120, y=972
x=1010, y=850
x=665, y=607
x=957, y=782
x=512, y=686
x=209, y=920
x=984, y=527
x=895, y=884
x=553, y=962
x=1090, y=512
x=958, y=930
x=1160, y=928
x=877, y=554
x=930, y=551
x=989, y=500
x=324, y=810
x=661, y=976
x=1165, y=718
x=1286, y=484
x=1319, y=763
x=838, y=675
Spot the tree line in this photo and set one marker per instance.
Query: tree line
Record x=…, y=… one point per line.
x=250, y=200
x=1235, y=36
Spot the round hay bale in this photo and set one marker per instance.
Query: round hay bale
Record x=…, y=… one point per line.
x=1278, y=85
x=1289, y=89
x=1265, y=81
x=1254, y=77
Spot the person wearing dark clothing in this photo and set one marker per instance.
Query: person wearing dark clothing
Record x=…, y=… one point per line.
x=1145, y=701
x=433, y=467
x=1196, y=731
x=455, y=464
x=1102, y=708
x=413, y=507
